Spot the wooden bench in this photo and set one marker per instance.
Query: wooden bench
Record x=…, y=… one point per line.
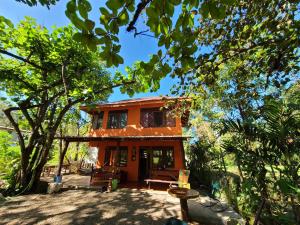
x=170, y=182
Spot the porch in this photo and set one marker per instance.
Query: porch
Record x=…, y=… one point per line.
x=135, y=159
x=77, y=182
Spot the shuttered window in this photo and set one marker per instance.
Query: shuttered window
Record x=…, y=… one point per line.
x=154, y=117
x=117, y=119
x=97, y=120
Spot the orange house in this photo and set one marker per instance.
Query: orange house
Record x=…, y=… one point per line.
x=141, y=137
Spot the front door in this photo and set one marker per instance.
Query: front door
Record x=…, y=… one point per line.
x=144, y=165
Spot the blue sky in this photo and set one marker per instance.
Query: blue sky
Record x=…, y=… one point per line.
x=133, y=49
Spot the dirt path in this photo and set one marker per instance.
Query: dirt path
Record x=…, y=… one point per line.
x=124, y=206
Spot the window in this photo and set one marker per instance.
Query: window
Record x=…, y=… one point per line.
x=97, y=120
x=163, y=157
x=154, y=117
x=117, y=119
x=121, y=156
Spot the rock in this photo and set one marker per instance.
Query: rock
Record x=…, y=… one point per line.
x=2, y=199
x=206, y=215
x=54, y=187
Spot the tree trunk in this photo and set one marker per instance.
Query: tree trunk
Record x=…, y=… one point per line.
x=259, y=211
x=61, y=158
x=77, y=144
x=31, y=177
x=296, y=211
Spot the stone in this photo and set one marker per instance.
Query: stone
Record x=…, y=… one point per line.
x=203, y=214
x=54, y=187
x=2, y=198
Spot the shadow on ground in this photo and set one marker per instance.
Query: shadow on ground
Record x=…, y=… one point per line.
x=125, y=206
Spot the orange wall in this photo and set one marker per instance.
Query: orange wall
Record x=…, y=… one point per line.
x=132, y=167
x=133, y=127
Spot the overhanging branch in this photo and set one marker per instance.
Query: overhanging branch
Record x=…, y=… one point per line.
x=137, y=13
x=21, y=59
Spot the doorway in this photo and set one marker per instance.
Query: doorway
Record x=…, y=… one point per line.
x=144, y=165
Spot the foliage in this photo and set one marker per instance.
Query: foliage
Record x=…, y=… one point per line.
x=200, y=39
x=9, y=157
x=268, y=153
x=47, y=75
x=47, y=3
x=197, y=39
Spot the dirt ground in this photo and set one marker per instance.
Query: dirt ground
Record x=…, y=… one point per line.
x=124, y=206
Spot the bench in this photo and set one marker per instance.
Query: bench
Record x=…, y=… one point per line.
x=170, y=182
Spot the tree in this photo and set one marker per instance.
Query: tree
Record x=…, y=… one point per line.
x=44, y=75
x=197, y=38
x=9, y=158
x=268, y=149
x=47, y=3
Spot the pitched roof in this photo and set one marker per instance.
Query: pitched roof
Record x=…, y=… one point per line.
x=135, y=101
x=121, y=138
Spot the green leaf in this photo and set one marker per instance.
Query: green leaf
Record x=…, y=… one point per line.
x=228, y=2
x=114, y=5
x=114, y=27
x=119, y=59
x=215, y=11
x=78, y=37
x=175, y=2
x=161, y=41
x=7, y=21
x=84, y=7
x=204, y=10
x=152, y=13
x=100, y=31
x=71, y=6
x=131, y=7
x=124, y=18
x=104, y=11
x=89, y=24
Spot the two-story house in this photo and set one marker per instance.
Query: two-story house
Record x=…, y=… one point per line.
x=141, y=137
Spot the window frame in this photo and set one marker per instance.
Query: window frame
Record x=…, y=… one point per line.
x=151, y=113
x=100, y=117
x=113, y=150
x=163, y=150
x=119, y=115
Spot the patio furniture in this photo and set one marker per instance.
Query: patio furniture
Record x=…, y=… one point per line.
x=183, y=194
x=168, y=178
x=104, y=176
x=170, y=182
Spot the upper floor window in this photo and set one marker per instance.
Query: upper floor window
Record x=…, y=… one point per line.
x=154, y=117
x=117, y=119
x=97, y=120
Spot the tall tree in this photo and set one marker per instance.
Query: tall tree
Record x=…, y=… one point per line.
x=196, y=38
x=45, y=74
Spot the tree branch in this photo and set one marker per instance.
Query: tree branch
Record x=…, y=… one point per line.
x=68, y=106
x=21, y=59
x=137, y=13
x=7, y=112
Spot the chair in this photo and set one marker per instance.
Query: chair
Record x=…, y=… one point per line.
x=183, y=179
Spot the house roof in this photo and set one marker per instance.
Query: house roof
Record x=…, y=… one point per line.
x=121, y=138
x=131, y=102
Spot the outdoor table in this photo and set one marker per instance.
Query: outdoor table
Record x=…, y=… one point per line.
x=183, y=194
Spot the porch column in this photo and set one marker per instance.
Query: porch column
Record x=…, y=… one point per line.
x=116, y=153
x=182, y=155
